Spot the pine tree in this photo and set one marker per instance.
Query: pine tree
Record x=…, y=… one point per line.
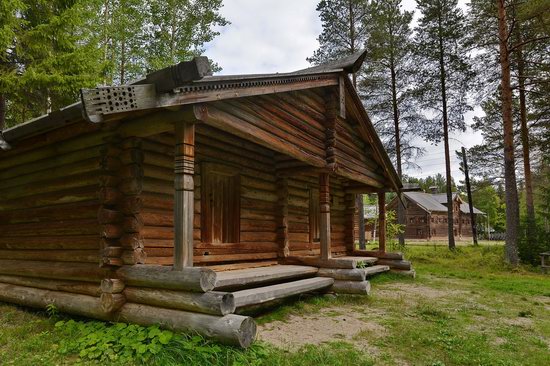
x=49, y=58
x=386, y=77
x=10, y=23
x=180, y=28
x=344, y=30
x=51, y=49
x=444, y=74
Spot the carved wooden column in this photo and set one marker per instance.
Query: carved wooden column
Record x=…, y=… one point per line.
x=184, y=168
x=382, y=221
x=282, y=217
x=350, y=217
x=324, y=204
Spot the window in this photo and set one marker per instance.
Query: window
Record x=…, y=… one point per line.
x=314, y=216
x=411, y=220
x=220, y=204
x=419, y=233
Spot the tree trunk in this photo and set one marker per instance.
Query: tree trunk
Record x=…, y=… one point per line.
x=400, y=207
x=529, y=202
x=512, y=209
x=122, y=61
x=446, y=142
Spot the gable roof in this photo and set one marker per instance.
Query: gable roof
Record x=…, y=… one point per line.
x=426, y=201
x=436, y=202
x=442, y=197
x=465, y=208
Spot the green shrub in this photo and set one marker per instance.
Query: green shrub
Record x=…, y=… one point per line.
x=123, y=344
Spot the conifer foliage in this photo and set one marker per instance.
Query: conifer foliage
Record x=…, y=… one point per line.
x=49, y=49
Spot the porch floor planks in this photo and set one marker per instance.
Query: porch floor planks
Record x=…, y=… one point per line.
x=261, y=295
x=256, y=276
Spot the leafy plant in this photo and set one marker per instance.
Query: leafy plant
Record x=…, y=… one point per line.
x=52, y=311
x=122, y=344
x=393, y=229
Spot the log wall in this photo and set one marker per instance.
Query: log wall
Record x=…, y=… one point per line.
x=48, y=196
x=259, y=201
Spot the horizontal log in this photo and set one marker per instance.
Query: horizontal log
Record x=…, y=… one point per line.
x=60, y=228
x=403, y=272
x=50, y=242
x=260, y=295
x=107, y=216
x=135, y=256
x=77, y=287
x=111, y=302
x=258, y=276
x=65, y=302
x=351, y=287
x=71, y=211
x=189, y=279
x=59, y=270
x=49, y=163
x=382, y=255
x=357, y=274
x=233, y=257
x=223, y=120
x=213, y=302
x=236, y=266
x=338, y=262
x=230, y=329
x=395, y=264
x=81, y=194
x=112, y=285
x=87, y=256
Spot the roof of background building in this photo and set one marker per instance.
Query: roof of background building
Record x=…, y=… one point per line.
x=436, y=202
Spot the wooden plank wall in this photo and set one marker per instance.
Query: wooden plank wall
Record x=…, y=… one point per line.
x=48, y=196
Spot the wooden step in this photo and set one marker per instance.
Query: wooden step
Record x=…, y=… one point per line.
x=345, y=262
x=252, y=277
x=359, y=261
x=378, y=268
x=260, y=295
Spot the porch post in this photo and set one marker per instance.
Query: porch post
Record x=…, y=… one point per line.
x=184, y=168
x=382, y=221
x=324, y=204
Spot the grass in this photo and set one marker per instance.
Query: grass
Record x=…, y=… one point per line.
x=464, y=308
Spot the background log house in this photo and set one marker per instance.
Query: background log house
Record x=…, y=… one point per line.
x=185, y=199
x=426, y=216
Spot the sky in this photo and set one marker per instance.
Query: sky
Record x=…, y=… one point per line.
x=268, y=36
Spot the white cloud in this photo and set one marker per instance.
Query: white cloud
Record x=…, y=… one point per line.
x=266, y=36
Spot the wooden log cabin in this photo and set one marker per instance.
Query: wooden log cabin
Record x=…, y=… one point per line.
x=201, y=197
x=426, y=216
